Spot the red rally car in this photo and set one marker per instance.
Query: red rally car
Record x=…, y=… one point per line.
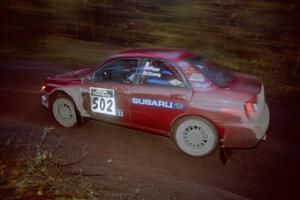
x=165, y=91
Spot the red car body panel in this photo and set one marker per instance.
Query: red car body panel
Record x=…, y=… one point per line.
x=223, y=106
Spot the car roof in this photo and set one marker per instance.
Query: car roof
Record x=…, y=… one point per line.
x=169, y=54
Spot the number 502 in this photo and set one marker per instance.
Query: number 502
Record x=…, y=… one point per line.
x=102, y=104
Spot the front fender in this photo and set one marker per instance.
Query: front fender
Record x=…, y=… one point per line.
x=75, y=93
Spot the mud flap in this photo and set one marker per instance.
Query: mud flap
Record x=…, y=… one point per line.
x=225, y=155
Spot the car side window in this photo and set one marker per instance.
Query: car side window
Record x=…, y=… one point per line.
x=159, y=73
x=118, y=71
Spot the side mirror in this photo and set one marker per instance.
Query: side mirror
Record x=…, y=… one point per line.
x=106, y=75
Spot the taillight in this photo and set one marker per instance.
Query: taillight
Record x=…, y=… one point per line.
x=251, y=109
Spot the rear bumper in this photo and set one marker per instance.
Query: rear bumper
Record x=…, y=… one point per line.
x=248, y=134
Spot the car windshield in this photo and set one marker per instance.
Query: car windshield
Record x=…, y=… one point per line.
x=212, y=71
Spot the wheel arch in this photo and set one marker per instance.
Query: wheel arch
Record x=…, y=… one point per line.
x=220, y=130
x=56, y=93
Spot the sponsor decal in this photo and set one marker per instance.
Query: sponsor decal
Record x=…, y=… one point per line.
x=147, y=73
x=120, y=113
x=200, y=66
x=199, y=81
x=151, y=70
x=201, y=84
x=178, y=105
x=157, y=103
x=175, y=82
x=197, y=77
x=100, y=92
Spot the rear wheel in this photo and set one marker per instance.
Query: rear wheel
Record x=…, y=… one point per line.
x=196, y=136
x=64, y=111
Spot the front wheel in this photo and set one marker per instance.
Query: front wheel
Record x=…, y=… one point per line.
x=196, y=136
x=64, y=112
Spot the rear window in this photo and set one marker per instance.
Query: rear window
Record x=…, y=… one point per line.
x=213, y=71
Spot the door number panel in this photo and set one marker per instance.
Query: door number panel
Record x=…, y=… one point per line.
x=103, y=101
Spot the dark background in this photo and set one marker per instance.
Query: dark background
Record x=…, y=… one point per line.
x=41, y=38
x=259, y=36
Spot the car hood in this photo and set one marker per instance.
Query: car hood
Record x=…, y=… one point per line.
x=76, y=74
x=245, y=83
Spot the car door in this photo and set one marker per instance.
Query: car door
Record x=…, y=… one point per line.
x=160, y=96
x=107, y=95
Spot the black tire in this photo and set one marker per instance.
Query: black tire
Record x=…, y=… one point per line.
x=196, y=136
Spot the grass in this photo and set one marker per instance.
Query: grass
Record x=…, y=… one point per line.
x=37, y=172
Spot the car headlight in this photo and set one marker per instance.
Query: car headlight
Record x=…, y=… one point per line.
x=43, y=87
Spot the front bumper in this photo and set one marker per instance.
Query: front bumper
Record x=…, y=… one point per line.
x=44, y=99
x=248, y=134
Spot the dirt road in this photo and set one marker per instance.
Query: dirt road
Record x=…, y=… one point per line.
x=139, y=165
